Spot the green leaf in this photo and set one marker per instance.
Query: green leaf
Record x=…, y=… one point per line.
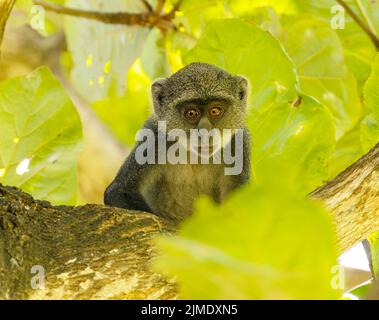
x=264, y=242
x=102, y=53
x=154, y=56
x=369, y=132
x=348, y=150
x=374, y=246
x=371, y=90
x=358, y=48
x=247, y=9
x=362, y=291
x=125, y=115
x=370, y=125
x=302, y=134
x=244, y=48
x=359, y=51
x=319, y=58
x=40, y=137
x=195, y=14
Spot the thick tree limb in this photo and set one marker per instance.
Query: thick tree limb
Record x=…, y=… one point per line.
x=89, y=252
x=353, y=198
x=98, y=252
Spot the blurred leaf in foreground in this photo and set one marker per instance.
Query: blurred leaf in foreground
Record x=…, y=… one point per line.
x=264, y=242
x=40, y=137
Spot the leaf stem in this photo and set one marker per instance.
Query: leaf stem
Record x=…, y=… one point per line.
x=362, y=24
x=364, y=14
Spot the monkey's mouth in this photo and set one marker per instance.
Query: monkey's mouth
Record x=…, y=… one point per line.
x=204, y=149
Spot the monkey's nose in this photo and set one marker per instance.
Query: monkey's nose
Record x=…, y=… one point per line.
x=204, y=123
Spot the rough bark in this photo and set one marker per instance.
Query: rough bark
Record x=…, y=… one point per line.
x=88, y=252
x=353, y=198
x=98, y=252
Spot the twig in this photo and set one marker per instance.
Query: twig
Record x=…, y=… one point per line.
x=364, y=27
x=6, y=7
x=147, y=5
x=147, y=19
x=364, y=14
x=160, y=5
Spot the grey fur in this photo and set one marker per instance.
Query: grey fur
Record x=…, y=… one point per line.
x=170, y=190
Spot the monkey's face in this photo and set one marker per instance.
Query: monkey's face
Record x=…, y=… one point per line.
x=201, y=97
x=203, y=114
x=205, y=120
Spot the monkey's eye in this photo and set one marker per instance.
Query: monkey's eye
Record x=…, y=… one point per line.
x=191, y=113
x=216, y=112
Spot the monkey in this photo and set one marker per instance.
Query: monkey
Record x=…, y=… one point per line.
x=198, y=97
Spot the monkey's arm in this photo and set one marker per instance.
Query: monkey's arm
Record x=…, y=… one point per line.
x=123, y=192
x=244, y=176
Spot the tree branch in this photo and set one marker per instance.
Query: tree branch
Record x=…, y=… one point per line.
x=362, y=24
x=160, y=5
x=147, y=5
x=353, y=198
x=88, y=252
x=148, y=19
x=6, y=7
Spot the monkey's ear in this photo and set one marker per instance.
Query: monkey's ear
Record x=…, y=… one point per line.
x=243, y=85
x=156, y=92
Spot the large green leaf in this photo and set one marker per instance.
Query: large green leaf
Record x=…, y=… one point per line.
x=154, y=56
x=359, y=49
x=264, y=242
x=301, y=135
x=102, y=53
x=348, y=150
x=370, y=125
x=319, y=58
x=283, y=126
x=40, y=137
x=244, y=48
x=195, y=14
